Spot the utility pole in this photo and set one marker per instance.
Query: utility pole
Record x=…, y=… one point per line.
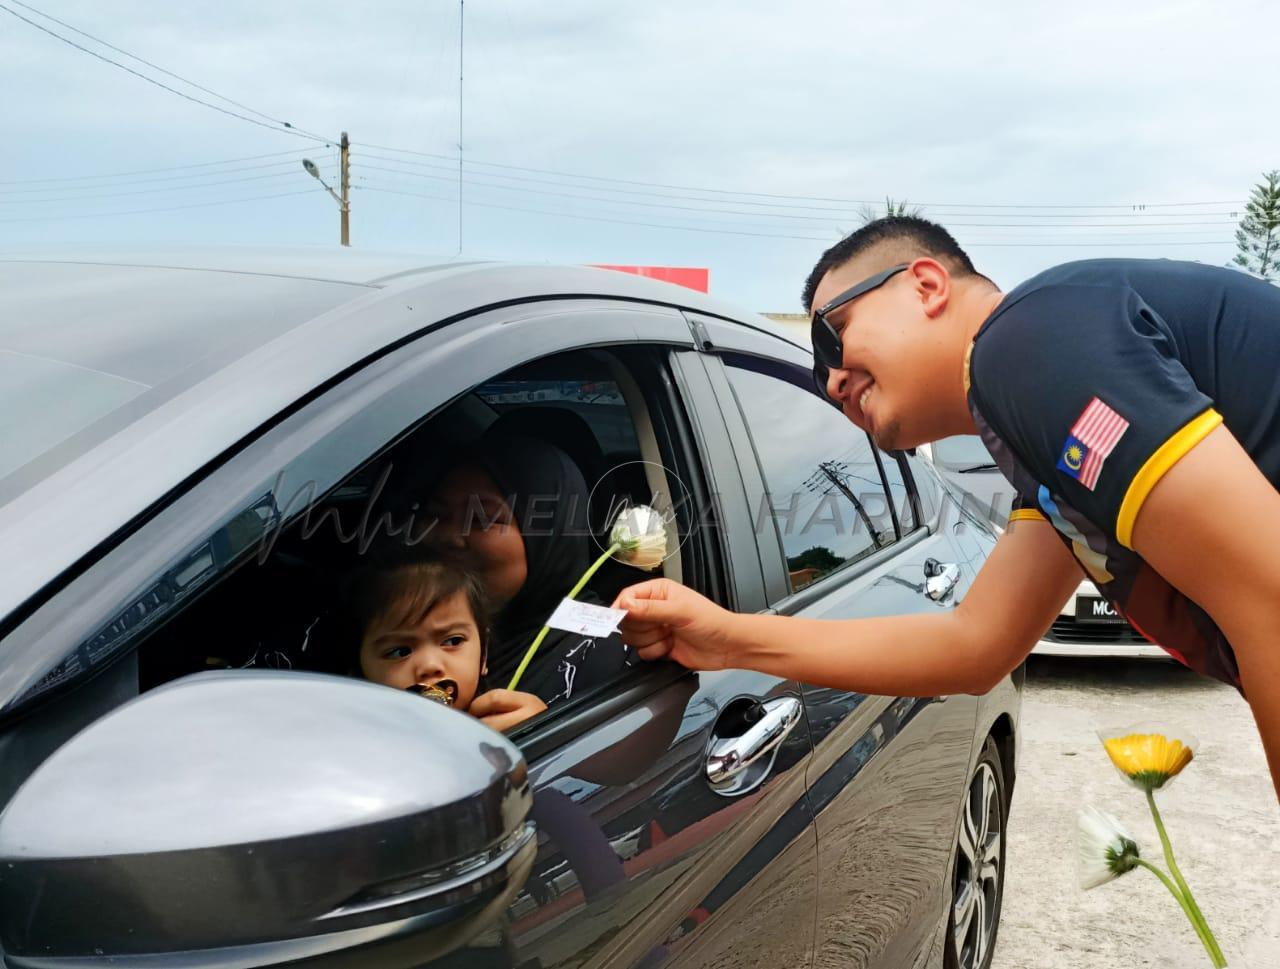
x=343, y=195
x=836, y=473
x=344, y=157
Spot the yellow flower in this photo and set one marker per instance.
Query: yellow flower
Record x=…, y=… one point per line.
x=1149, y=755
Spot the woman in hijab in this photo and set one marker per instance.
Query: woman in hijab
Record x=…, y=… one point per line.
x=515, y=510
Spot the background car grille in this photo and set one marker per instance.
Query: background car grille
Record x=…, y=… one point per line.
x=1066, y=630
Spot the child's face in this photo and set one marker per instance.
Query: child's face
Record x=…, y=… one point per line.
x=445, y=645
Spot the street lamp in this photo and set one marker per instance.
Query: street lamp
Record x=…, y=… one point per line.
x=343, y=200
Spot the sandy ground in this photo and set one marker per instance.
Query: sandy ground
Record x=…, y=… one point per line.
x=1221, y=813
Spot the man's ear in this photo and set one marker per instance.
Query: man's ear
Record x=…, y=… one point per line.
x=932, y=283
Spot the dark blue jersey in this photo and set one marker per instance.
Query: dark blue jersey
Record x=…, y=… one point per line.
x=1092, y=379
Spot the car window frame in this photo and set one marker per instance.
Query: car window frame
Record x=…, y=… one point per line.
x=157, y=544
x=759, y=338
x=671, y=389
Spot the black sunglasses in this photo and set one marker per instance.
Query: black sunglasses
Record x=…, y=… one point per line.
x=828, y=351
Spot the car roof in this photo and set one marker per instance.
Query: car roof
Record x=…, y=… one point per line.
x=188, y=350
x=332, y=264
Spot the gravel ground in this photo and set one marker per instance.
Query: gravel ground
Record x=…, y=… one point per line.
x=1221, y=813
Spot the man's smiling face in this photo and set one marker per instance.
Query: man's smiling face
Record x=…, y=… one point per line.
x=887, y=340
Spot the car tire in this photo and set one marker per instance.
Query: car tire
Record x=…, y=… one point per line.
x=977, y=879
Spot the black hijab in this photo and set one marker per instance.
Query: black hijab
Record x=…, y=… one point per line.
x=549, y=503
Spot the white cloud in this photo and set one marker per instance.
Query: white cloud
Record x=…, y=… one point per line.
x=934, y=103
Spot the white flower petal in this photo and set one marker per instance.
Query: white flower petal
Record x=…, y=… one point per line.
x=640, y=532
x=1101, y=838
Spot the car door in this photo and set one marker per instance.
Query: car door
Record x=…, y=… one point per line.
x=671, y=806
x=647, y=857
x=842, y=536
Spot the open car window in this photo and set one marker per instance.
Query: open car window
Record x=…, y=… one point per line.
x=278, y=610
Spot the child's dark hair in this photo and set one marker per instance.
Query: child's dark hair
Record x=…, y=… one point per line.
x=400, y=591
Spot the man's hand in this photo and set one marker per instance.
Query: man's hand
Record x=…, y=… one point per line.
x=666, y=620
x=933, y=652
x=504, y=709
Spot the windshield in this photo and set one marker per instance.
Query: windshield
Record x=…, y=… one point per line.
x=960, y=453
x=87, y=350
x=43, y=402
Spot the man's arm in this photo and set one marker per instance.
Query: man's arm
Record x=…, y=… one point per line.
x=1211, y=527
x=968, y=649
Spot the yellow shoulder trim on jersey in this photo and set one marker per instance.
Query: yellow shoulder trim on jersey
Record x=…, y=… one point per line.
x=1025, y=515
x=1166, y=456
x=968, y=355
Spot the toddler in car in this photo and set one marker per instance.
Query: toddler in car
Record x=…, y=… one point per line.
x=423, y=626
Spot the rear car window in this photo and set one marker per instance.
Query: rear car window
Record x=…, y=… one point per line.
x=826, y=495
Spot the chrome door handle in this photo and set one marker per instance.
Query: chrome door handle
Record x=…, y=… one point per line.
x=941, y=579
x=731, y=756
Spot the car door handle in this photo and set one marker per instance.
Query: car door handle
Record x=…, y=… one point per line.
x=733, y=755
x=940, y=579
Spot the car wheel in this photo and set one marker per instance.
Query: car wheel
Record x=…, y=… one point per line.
x=977, y=884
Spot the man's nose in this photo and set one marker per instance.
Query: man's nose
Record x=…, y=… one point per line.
x=837, y=381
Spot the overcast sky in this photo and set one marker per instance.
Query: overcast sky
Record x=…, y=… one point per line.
x=979, y=105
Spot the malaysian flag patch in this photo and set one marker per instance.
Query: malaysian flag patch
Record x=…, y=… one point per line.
x=1093, y=437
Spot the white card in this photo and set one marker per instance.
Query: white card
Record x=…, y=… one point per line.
x=598, y=622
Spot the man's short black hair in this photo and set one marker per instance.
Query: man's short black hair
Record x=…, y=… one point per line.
x=921, y=236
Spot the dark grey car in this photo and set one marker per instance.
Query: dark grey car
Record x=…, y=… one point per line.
x=192, y=444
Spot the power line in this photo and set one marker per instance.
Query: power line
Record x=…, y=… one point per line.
x=169, y=208
x=589, y=218
x=149, y=191
x=156, y=67
x=1092, y=245
x=147, y=171
x=626, y=215
x=284, y=127
x=767, y=235
x=810, y=198
x=462, y=22
x=844, y=212
x=827, y=220
x=108, y=186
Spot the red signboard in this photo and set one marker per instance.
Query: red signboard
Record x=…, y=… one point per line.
x=690, y=277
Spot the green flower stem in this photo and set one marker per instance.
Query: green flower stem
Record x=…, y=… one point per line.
x=542, y=633
x=1201, y=930
x=1193, y=910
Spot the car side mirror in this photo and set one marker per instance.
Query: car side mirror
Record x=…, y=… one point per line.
x=261, y=817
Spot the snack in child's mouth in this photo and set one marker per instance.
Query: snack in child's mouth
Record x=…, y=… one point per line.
x=442, y=691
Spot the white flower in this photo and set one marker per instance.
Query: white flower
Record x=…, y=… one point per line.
x=640, y=533
x=1106, y=848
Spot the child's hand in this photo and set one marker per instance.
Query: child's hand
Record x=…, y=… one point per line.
x=504, y=709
